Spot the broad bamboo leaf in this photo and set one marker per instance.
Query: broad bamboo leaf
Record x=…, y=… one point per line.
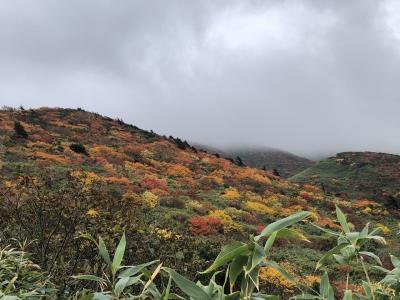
x=367, y=289
x=165, y=295
x=125, y=282
x=348, y=295
x=270, y=241
x=291, y=234
x=372, y=255
x=89, y=237
x=235, y=268
x=283, y=223
x=258, y=296
x=89, y=278
x=103, y=251
x=342, y=220
x=377, y=238
x=121, y=285
x=364, y=232
x=187, y=286
x=395, y=261
x=329, y=254
x=101, y=296
x=328, y=231
x=257, y=257
x=232, y=296
x=306, y=297
x=119, y=255
x=131, y=271
x=324, y=285
x=227, y=254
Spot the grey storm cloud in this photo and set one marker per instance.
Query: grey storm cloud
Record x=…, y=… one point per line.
x=310, y=77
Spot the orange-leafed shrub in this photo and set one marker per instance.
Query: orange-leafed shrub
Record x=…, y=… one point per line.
x=231, y=194
x=306, y=195
x=52, y=157
x=137, y=167
x=179, y=171
x=185, y=157
x=311, y=188
x=200, y=225
x=134, y=149
x=363, y=203
x=105, y=165
x=216, y=163
x=123, y=135
x=248, y=174
x=110, y=154
x=212, y=180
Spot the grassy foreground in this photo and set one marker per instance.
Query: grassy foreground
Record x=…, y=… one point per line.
x=234, y=274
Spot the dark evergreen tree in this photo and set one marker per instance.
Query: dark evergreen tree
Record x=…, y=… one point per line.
x=20, y=130
x=239, y=162
x=79, y=148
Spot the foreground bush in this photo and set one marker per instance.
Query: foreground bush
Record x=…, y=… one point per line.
x=241, y=264
x=20, y=278
x=235, y=273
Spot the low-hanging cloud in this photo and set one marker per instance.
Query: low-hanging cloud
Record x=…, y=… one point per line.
x=310, y=77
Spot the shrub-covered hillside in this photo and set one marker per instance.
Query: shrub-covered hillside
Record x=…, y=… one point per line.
x=66, y=172
x=285, y=163
x=357, y=175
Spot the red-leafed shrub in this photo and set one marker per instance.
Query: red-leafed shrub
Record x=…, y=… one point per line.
x=153, y=183
x=204, y=225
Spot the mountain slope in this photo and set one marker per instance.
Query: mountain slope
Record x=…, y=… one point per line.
x=68, y=172
x=357, y=174
x=284, y=163
x=287, y=164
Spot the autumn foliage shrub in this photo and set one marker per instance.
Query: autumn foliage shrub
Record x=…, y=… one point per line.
x=149, y=199
x=151, y=182
x=231, y=194
x=227, y=222
x=204, y=225
x=172, y=202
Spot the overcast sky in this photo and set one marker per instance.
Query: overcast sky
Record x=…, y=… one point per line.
x=309, y=77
